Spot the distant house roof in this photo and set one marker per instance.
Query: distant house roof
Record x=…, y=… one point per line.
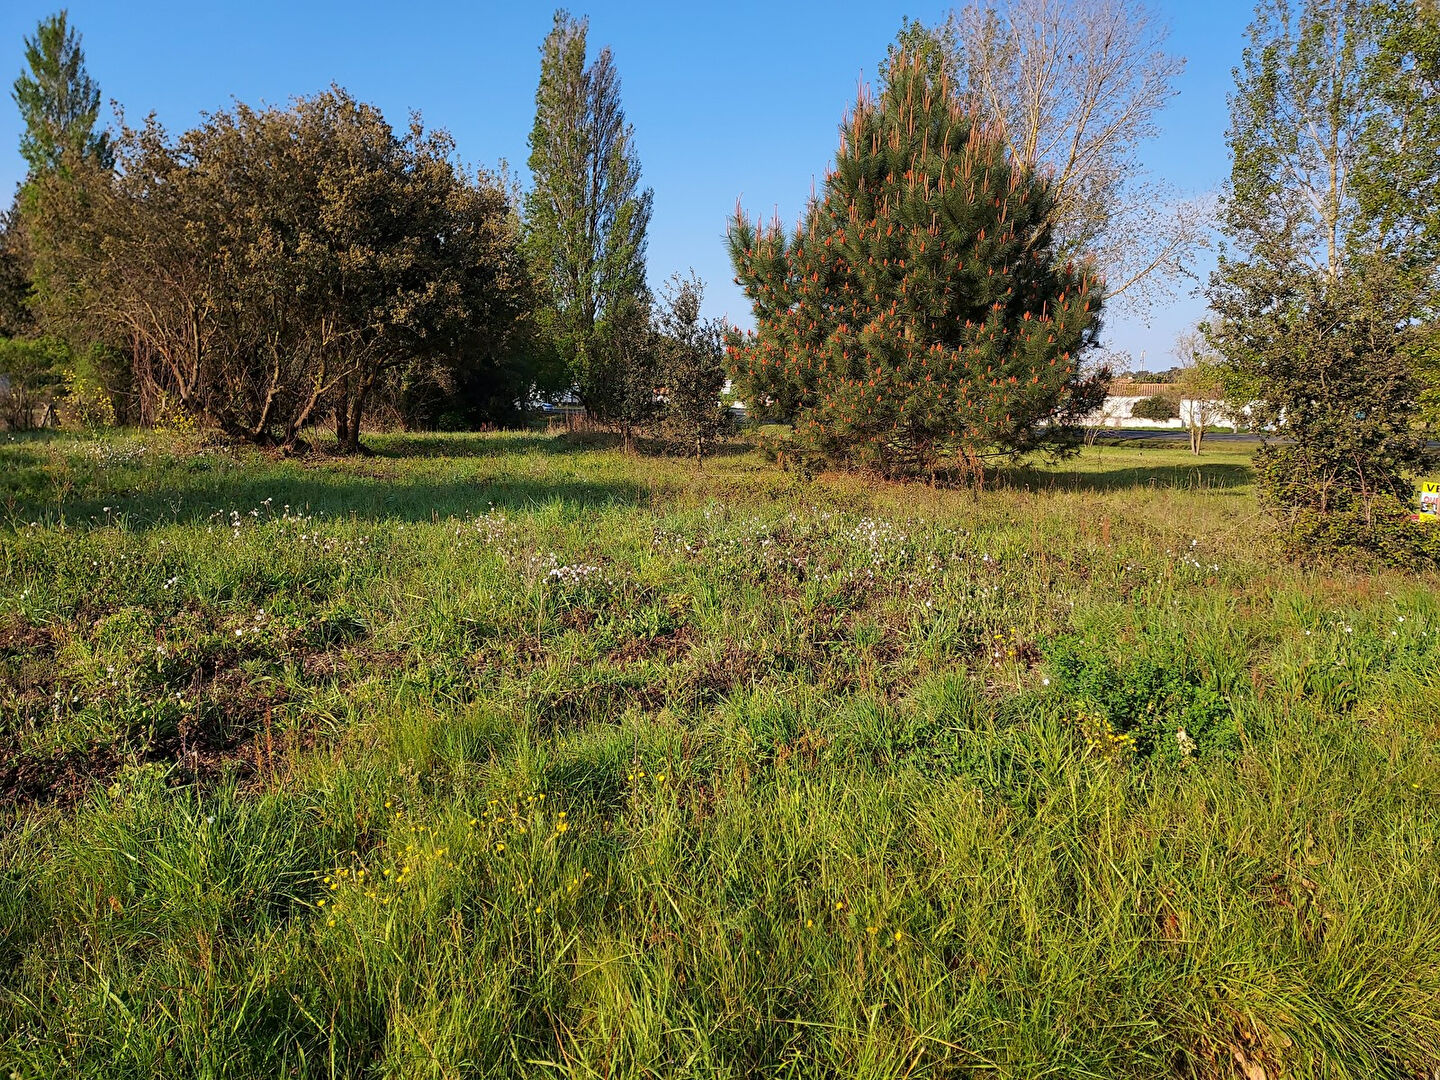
x=1125, y=388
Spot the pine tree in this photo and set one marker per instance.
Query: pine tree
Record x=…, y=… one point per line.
x=918, y=320
x=59, y=101
x=586, y=216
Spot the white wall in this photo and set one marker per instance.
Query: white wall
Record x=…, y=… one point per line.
x=1116, y=413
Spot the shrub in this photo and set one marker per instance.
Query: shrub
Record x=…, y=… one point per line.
x=1158, y=408
x=1389, y=533
x=1330, y=383
x=169, y=416
x=30, y=380
x=87, y=404
x=692, y=367
x=1156, y=703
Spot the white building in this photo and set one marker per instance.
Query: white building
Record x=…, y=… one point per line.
x=1118, y=409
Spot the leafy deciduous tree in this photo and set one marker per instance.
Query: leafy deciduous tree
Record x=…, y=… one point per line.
x=31, y=376
x=1337, y=389
x=1200, y=384
x=1312, y=314
x=15, y=316
x=1397, y=171
x=273, y=266
x=68, y=155
x=624, y=367
x=692, y=366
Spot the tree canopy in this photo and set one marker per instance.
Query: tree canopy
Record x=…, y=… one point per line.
x=586, y=216
x=272, y=266
x=1312, y=314
x=59, y=101
x=920, y=317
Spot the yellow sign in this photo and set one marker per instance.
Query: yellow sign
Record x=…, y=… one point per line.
x=1429, y=493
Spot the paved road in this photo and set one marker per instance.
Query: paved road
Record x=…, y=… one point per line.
x=1120, y=435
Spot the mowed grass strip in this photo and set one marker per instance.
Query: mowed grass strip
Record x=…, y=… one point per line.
x=515, y=755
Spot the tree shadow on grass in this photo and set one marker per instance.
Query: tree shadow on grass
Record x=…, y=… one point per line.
x=1198, y=477
x=469, y=445
x=14, y=458
x=24, y=483
x=495, y=444
x=337, y=496
x=659, y=449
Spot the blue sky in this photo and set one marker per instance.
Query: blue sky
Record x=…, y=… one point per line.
x=736, y=100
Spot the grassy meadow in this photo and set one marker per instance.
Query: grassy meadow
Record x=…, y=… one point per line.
x=509, y=755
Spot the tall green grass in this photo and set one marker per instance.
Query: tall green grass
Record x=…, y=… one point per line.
x=505, y=755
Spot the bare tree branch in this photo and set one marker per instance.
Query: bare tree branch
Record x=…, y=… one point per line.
x=1074, y=88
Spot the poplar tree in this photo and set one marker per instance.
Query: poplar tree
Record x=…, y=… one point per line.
x=586, y=215
x=1397, y=179
x=59, y=102
x=70, y=160
x=919, y=319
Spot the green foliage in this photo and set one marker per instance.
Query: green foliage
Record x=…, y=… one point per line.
x=59, y=102
x=1397, y=178
x=1316, y=319
x=937, y=47
x=31, y=378
x=87, y=403
x=15, y=317
x=794, y=737
x=1391, y=534
x=1156, y=698
x=1398, y=164
x=322, y=260
x=1158, y=408
x=585, y=215
x=918, y=320
x=59, y=106
x=624, y=368
x=1302, y=99
x=99, y=389
x=691, y=367
x=1341, y=398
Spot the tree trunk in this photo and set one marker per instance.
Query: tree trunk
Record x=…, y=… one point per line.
x=350, y=426
x=349, y=413
x=357, y=412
